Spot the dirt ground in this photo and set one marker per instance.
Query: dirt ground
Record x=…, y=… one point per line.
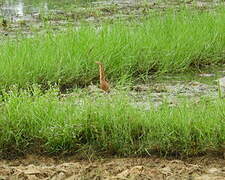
x=41, y=167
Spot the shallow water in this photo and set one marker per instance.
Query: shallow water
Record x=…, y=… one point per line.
x=27, y=9
x=26, y=17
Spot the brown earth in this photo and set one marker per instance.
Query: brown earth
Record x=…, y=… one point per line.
x=41, y=167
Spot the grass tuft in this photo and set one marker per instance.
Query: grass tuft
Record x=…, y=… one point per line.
x=109, y=124
x=172, y=41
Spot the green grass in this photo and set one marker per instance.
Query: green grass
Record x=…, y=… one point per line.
x=170, y=41
x=32, y=121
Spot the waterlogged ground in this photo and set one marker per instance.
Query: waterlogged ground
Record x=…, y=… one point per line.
x=172, y=88
x=26, y=17
x=37, y=167
x=177, y=87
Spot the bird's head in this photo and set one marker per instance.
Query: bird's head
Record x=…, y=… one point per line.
x=99, y=63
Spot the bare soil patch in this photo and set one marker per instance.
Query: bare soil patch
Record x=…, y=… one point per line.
x=40, y=167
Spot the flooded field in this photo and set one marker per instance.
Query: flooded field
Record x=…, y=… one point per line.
x=29, y=16
x=27, y=9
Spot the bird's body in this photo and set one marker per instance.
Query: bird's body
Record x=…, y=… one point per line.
x=104, y=85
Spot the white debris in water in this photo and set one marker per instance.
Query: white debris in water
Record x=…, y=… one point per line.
x=206, y=75
x=222, y=82
x=221, y=86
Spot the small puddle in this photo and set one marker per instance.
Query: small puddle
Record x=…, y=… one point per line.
x=19, y=10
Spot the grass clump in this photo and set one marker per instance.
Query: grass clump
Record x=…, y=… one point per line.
x=109, y=124
x=168, y=42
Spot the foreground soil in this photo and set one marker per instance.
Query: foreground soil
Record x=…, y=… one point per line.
x=40, y=167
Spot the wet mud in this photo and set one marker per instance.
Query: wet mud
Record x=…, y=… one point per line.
x=173, y=89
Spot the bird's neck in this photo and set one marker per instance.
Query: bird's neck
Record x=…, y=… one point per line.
x=101, y=72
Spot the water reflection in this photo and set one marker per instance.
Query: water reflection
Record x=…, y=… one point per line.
x=12, y=7
x=25, y=9
x=20, y=9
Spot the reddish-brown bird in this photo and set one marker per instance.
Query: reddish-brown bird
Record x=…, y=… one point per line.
x=104, y=85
